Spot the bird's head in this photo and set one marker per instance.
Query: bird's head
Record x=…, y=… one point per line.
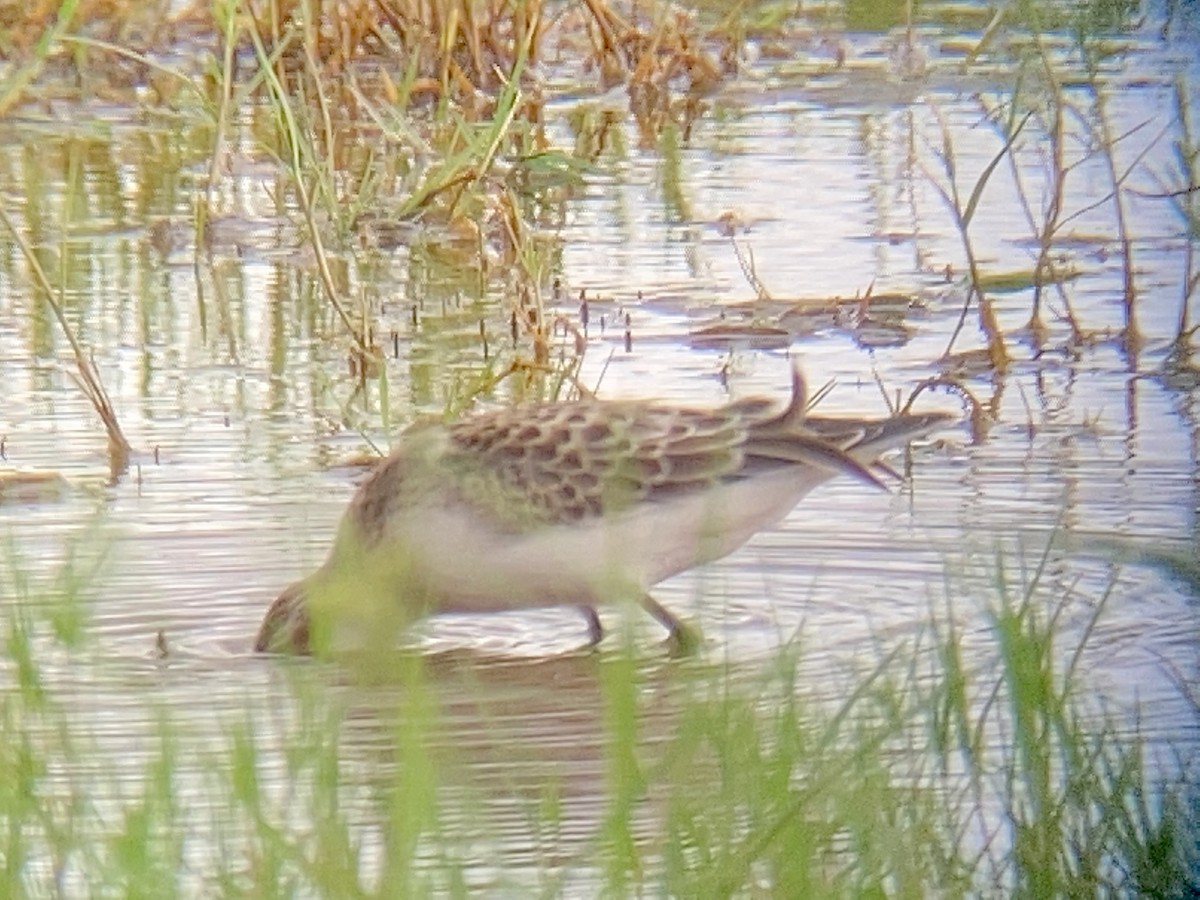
x=287, y=627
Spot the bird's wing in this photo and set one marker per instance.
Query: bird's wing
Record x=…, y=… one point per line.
x=526, y=467
x=569, y=462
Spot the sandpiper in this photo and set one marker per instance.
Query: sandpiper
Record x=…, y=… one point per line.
x=570, y=503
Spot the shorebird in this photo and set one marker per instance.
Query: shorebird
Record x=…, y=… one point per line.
x=568, y=503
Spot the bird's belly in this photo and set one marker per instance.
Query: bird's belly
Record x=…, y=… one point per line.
x=466, y=566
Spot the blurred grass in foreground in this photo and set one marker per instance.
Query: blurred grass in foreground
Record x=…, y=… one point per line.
x=929, y=772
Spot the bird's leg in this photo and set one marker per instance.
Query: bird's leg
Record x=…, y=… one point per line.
x=595, y=628
x=682, y=640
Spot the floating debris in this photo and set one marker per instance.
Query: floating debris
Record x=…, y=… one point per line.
x=31, y=487
x=809, y=317
x=873, y=333
x=968, y=363
x=730, y=222
x=1024, y=279
x=744, y=334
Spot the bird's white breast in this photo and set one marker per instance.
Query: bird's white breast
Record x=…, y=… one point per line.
x=467, y=566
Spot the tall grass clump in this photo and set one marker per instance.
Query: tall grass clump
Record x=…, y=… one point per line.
x=1064, y=801
x=417, y=120
x=940, y=769
x=777, y=790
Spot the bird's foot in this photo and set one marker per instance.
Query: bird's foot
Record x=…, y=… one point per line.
x=595, y=627
x=684, y=640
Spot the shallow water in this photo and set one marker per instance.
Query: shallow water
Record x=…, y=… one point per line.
x=250, y=411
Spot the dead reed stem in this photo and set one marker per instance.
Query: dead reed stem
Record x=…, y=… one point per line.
x=88, y=378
